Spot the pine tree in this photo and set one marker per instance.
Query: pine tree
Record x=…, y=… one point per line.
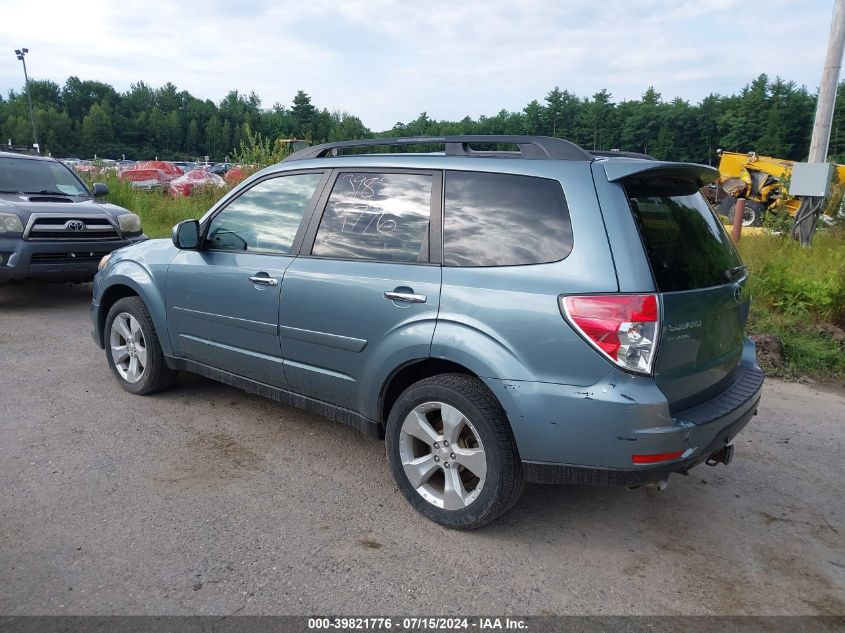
x=303, y=114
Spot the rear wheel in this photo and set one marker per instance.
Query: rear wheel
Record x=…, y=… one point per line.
x=753, y=215
x=452, y=451
x=132, y=348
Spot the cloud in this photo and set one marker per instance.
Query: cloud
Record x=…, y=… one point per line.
x=387, y=61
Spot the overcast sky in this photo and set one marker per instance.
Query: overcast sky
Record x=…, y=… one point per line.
x=387, y=61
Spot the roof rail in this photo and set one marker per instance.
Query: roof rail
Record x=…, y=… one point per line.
x=18, y=149
x=616, y=152
x=538, y=147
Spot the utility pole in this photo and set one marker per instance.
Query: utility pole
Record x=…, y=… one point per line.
x=827, y=89
x=21, y=53
x=807, y=216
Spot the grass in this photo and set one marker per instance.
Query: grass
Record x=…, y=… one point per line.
x=159, y=211
x=795, y=290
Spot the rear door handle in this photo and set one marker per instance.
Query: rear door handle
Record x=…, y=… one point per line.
x=410, y=297
x=264, y=280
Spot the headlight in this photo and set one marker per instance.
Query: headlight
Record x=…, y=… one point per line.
x=129, y=223
x=103, y=261
x=10, y=223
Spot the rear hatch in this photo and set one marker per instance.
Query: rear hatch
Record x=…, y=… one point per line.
x=701, y=282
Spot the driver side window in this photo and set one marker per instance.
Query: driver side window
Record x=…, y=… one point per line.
x=265, y=218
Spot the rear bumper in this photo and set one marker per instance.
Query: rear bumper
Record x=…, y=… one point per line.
x=589, y=435
x=74, y=260
x=542, y=473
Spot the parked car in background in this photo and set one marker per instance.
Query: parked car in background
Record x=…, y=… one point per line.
x=150, y=174
x=195, y=180
x=237, y=173
x=52, y=226
x=219, y=168
x=185, y=166
x=87, y=169
x=513, y=309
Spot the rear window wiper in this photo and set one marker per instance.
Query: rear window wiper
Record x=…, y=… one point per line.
x=731, y=273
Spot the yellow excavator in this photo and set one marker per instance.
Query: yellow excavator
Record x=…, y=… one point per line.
x=762, y=180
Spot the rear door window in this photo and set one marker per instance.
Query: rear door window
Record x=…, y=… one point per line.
x=686, y=245
x=377, y=216
x=504, y=220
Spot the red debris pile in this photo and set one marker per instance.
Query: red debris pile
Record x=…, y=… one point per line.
x=151, y=174
x=196, y=178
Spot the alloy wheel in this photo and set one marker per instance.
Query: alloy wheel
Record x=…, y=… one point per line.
x=442, y=455
x=128, y=347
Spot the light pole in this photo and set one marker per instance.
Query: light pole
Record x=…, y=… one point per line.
x=21, y=53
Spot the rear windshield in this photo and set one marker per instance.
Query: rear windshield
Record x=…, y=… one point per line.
x=687, y=246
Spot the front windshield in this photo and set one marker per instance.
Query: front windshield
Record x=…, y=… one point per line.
x=23, y=175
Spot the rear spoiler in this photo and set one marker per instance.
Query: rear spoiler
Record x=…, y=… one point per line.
x=621, y=169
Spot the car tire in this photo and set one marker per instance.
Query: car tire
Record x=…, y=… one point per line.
x=753, y=213
x=133, y=351
x=451, y=486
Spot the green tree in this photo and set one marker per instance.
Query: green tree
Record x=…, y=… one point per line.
x=79, y=96
x=97, y=130
x=192, y=138
x=84, y=117
x=302, y=113
x=213, y=145
x=535, y=117
x=347, y=127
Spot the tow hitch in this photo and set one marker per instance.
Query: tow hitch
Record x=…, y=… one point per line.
x=723, y=456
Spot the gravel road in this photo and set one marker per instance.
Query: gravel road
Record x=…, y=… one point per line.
x=207, y=500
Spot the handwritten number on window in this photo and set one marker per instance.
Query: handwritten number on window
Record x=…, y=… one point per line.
x=367, y=220
x=366, y=187
x=364, y=218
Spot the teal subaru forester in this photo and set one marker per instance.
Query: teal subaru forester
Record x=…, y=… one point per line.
x=499, y=310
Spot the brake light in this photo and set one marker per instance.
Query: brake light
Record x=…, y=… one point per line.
x=622, y=327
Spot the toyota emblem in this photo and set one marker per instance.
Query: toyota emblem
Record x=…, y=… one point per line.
x=738, y=294
x=75, y=225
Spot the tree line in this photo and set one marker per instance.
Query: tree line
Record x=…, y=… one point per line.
x=84, y=118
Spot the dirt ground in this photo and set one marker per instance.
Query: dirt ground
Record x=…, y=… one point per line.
x=206, y=500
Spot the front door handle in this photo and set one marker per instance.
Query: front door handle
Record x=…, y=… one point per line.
x=410, y=297
x=264, y=280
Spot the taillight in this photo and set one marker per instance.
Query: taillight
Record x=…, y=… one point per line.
x=622, y=327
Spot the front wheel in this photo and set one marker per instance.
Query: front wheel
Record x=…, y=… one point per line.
x=132, y=348
x=452, y=452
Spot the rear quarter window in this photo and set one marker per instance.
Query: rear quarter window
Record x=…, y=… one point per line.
x=504, y=220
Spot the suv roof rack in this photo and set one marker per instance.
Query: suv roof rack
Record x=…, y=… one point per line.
x=615, y=152
x=537, y=147
x=18, y=149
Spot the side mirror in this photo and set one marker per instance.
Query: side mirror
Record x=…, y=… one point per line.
x=100, y=190
x=186, y=235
